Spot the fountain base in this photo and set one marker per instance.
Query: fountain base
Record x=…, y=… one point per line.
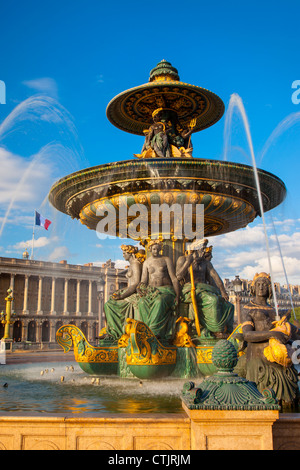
x=138, y=354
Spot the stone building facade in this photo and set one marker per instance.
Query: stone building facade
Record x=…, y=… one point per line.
x=48, y=295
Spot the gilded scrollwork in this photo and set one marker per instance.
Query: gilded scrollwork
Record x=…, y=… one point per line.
x=69, y=335
x=145, y=349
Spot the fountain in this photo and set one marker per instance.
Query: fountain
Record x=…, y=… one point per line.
x=172, y=321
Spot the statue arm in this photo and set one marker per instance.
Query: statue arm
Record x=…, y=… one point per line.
x=248, y=328
x=253, y=336
x=150, y=134
x=186, y=133
x=173, y=278
x=145, y=274
x=134, y=281
x=182, y=265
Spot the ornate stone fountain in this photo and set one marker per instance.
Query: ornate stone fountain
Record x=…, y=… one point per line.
x=168, y=323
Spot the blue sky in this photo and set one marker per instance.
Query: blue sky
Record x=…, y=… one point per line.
x=63, y=61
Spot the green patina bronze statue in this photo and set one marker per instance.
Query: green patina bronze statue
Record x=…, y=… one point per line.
x=166, y=137
x=159, y=293
x=204, y=291
x=123, y=303
x=269, y=353
x=155, y=292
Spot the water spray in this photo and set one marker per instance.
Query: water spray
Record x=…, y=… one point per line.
x=236, y=101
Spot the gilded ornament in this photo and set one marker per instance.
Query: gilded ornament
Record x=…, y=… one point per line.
x=83, y=351
x=145, y=349
x=204, y=354
x=142, y=199
x=168, y=198
x=182, y=338
x=276, y=351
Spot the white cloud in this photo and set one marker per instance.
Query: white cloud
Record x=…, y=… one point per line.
x=245, y=237
x=24, y=185
x=45, y=85
x=121, y=263
x=262, y=264
x=18, y=176
x=244, y=252
x=100, y=78
x=59, y=253
x=286, y=222
x=38, y=243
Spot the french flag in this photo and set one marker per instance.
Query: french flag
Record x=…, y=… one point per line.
x=41, y=221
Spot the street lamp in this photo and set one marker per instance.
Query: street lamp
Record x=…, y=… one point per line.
x=6, y=317
x=238, y=287
x=100, y=295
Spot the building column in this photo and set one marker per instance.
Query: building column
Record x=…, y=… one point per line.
x=90, y=297
x=38, y=332
x=78, y=298
x=65, y=312
x=40, y=291
x=24, y=330
x=52, y=336
x=52, y=309
x=25, y=301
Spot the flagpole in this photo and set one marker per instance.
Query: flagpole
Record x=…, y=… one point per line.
x=32, y=245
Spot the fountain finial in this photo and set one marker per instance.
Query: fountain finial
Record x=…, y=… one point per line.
x=164, y=71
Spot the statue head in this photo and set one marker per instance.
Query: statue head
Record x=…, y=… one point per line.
x=202, y=251
x=128, y=250
x=155, y=247
x=261, y=285
x=208, y=253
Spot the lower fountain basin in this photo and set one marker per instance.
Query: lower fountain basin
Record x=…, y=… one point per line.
x=30, y=393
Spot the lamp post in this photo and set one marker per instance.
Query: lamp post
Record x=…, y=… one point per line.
x=6, y=317
x=100, y=295
x=238, y=287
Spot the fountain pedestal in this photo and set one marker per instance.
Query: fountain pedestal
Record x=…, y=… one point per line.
x=227, y=412
x=231, y=430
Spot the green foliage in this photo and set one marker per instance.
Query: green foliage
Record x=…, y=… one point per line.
x=297, y=313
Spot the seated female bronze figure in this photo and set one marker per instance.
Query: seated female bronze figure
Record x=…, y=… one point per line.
x=123, y=303
x=159, y=293
x=268, y=340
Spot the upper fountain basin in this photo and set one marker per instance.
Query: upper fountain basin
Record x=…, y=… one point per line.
x=227, y=190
